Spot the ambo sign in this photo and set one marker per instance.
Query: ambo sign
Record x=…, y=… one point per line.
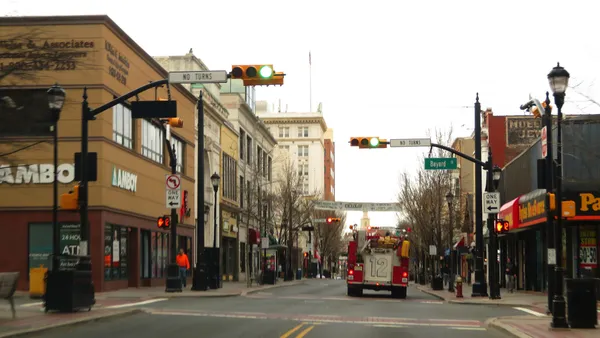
x=36, y=173
x=124, y=180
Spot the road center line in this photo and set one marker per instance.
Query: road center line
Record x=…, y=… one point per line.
x=303, y=333
x=290, y=332
x=531, y=312
x=32, y=304
x=150, y=301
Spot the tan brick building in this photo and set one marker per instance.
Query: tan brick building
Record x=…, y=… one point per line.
x=127, y=248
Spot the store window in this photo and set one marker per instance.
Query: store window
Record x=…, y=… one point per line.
x=115, y=252
x=145, y=261
x=160, y=254
x=40, y=245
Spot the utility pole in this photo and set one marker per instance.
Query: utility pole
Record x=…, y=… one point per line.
x=200, y=277
x=479, y=286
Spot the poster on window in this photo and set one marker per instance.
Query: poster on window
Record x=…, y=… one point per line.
x=40, y=245
x=588, y=248
x=70, y=236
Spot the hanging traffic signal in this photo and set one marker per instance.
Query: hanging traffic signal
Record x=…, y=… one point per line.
x=70, y=200
x=331, y=220
x=257, y=75
x=163, y=222
x=502, y=226
x=368, y=142
x=175, y=122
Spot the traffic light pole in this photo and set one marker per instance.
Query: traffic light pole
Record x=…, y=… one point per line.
x=549, y=163
x=493, y=239
x=200, y=276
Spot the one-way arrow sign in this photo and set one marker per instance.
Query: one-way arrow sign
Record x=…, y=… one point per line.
x=491, y=202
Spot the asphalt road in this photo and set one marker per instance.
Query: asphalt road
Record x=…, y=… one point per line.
x=317, y=309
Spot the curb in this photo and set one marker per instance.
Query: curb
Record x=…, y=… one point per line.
x=197, y=294
x=283, y=284
x=94, y=318
x=431, y=294
x=493, y=323
x=467, y=302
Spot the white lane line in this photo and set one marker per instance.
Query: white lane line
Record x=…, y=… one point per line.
x=150, y=301
x=389, y=326
x=468, y=328
x=32, y=304
x=531, y=312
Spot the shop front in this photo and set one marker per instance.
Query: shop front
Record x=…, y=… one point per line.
x=127, y=248
x=229, y=244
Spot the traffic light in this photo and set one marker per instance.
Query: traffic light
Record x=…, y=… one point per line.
x=306, y=254
x=502, y=226
x=331, y=220
x=163, y=222
x=257, y=75
x=368, y=142
x=175, y=122
x=70, y=200
x=552, y=201
x=536, y=112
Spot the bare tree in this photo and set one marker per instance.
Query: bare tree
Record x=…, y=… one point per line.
x=329, y=236
x=422, y=201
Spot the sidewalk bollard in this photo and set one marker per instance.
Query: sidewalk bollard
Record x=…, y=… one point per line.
x=459, y=287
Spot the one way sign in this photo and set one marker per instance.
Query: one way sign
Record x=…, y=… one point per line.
x=491, y=202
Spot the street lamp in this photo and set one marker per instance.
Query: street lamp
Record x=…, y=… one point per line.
x=558, y=79
x=214, y=179
x=206, y=213
x=450, y=199
x=497, y=173
x=56, y=100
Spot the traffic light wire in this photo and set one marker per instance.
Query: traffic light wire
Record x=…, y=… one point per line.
x=22, y=148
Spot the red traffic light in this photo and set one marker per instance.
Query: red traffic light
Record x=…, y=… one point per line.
x=330, y=220
x=163, y=222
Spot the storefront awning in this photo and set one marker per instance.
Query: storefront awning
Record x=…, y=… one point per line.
x=510, y=212
x=460, y=243
x=532, y=209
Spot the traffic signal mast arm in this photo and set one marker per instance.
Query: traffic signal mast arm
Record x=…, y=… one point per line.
x=486, y=165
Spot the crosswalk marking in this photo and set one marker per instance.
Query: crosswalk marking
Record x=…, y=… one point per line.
x=469, y=328
x=531, y=312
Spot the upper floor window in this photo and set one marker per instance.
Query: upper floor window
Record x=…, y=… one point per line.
x=303, y=169
x=249, y=149
x=302, y=131
x=152, y=141
x=177, y=144
x=259, y=159
x=284, y=147
x=229, y=177
x=284, y=131
x=242, y=190
x=242, y=144
x=122, y=126
x=270, y=168
x=303, y=150
x=264, y=164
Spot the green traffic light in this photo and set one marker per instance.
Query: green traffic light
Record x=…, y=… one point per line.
x=266, y=72
x=374, y=142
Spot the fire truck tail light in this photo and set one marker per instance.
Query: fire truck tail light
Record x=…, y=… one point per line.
x=405, y=274
x=350, y=272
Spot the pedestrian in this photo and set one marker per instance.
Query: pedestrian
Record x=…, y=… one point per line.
x=446, y=274
x=184, y=265
x=511, y=275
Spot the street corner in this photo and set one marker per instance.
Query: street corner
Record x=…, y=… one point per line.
x=431, y=293
x=506, y=329
x=29, y=323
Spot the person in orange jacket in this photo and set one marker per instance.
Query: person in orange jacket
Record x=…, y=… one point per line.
x=184, y=264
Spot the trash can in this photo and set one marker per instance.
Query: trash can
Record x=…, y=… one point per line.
x=299, y=274
x=37, y=283
x=581, y=303
x=437, y=283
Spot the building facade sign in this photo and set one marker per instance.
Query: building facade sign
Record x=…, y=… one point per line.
x=532, y=207
x=522, y=131
x=36, y=173
x=124, y=180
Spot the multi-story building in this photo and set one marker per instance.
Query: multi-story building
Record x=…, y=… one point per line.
x=329, y=168
x=126, y=246
x=255, y=173
x=215, y=116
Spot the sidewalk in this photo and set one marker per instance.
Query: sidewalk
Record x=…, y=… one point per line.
x=32, y=318
x=536, y=324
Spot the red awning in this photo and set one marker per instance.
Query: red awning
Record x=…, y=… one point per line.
x=254, y=236
x=510, y=212
x=460, y=243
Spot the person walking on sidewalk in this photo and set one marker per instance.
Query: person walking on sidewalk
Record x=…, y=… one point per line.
x=511, y=275
x=184, y=265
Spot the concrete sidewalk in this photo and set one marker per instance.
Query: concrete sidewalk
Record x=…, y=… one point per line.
x=531, y=326
x=32, y=318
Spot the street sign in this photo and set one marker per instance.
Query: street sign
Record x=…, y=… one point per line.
x=208, y=76
x=491, y=202
x=410, y=142
x=319, y=220
x=173, y=188
x=544, y=142
x=448, y=163
x=357, y=206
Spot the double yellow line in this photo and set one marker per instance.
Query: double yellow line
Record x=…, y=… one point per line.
x=299, y=335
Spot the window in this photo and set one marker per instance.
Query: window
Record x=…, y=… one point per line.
x=259, y=159
x=152, y=141
x=115, y=252
x=179, y=154
x=303, y=169
x=270, y=168
x=303, y=150
x=284, y=131
x=249, y=149
x=264, y=164
x=242, y=144
x=242, y=191
x=160, y=254
x=145, y=261
x=122, y=126
x=305, y=188
x=302, y=131
x=40, y=245
x=229, y=177
x=284, y=147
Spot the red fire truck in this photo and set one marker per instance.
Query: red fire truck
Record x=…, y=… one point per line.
x=377, y=261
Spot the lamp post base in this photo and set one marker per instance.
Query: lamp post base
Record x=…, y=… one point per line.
x=559, y=318
x=200, y=278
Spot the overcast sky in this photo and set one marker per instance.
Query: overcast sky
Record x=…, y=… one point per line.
x=393, y=69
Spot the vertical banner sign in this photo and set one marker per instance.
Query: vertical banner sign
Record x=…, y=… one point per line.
x=70, y=236
x=588, y=249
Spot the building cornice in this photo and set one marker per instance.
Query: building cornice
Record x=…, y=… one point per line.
x=296, y=120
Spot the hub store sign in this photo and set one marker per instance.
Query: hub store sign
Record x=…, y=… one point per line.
x=36, y=173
